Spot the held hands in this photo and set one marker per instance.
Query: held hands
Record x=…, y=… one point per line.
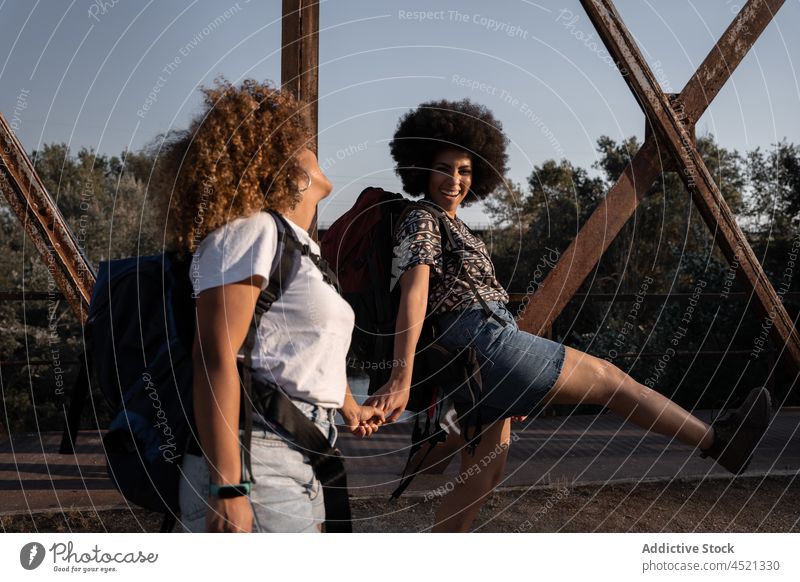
x=391, y=398
x=364, y=420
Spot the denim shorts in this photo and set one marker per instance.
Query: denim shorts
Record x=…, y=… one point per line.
x=517, y=368
x=286, y=497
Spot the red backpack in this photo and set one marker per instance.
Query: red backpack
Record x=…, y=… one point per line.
x=359, y=249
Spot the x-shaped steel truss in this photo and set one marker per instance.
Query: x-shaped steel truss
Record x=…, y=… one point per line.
x=672, y=118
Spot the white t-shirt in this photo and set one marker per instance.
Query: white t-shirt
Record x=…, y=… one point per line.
x=303, y=339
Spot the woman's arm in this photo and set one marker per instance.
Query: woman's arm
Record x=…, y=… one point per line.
x=393, y=396
x=223, y=319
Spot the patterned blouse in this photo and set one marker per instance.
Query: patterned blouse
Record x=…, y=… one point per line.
x=419, y=242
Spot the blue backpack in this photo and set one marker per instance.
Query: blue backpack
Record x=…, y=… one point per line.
x=139, y=335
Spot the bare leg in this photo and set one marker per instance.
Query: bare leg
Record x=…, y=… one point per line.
x=586, y=379
x=481, y=473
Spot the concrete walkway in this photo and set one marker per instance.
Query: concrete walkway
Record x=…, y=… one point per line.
x=548, y=452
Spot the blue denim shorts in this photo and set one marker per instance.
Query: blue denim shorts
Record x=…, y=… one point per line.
x=517, y=368
x=286, y=496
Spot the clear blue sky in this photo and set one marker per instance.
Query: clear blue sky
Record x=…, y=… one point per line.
x=81, y=71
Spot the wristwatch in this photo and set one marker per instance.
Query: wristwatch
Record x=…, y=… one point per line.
x=229, y=491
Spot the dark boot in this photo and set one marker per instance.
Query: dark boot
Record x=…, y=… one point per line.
x=738, y=432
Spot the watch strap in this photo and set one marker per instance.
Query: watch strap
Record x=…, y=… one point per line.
x=229, y=491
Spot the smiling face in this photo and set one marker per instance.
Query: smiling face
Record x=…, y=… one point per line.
x=450, y=179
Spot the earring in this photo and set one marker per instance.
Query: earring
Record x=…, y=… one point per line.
x=308, y=182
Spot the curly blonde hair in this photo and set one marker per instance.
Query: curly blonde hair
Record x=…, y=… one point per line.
x=238, y=157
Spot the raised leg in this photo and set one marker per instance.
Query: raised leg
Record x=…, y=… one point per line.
x=586, y=379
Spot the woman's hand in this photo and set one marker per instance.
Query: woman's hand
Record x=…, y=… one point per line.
x=391, y=398
x=234, y=515
x=363, y=421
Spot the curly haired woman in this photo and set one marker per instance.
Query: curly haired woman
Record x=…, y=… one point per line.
x=454, y=153
x=243, y=155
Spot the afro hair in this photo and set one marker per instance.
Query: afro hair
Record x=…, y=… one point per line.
x=441, y=125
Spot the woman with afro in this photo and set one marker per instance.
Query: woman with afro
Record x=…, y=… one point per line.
x=244, y=154
x=453, y=154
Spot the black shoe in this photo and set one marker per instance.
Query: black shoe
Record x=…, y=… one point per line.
x=738, y=432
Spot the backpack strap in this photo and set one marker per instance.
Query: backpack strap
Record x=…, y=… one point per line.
x=429, y=437
x=283, y=270
x=469, y=412
x=294, y=244
x=80, y=391
x=326, y=461
x=327, y=273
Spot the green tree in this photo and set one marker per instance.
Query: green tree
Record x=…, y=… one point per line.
x=774, y=179
x=104, y=202
x=666, y=242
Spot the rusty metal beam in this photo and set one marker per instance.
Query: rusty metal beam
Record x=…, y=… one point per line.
x=600, y=230
x=43, y=223
x=726, y=55
x=669, y=122
x=300, y=56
